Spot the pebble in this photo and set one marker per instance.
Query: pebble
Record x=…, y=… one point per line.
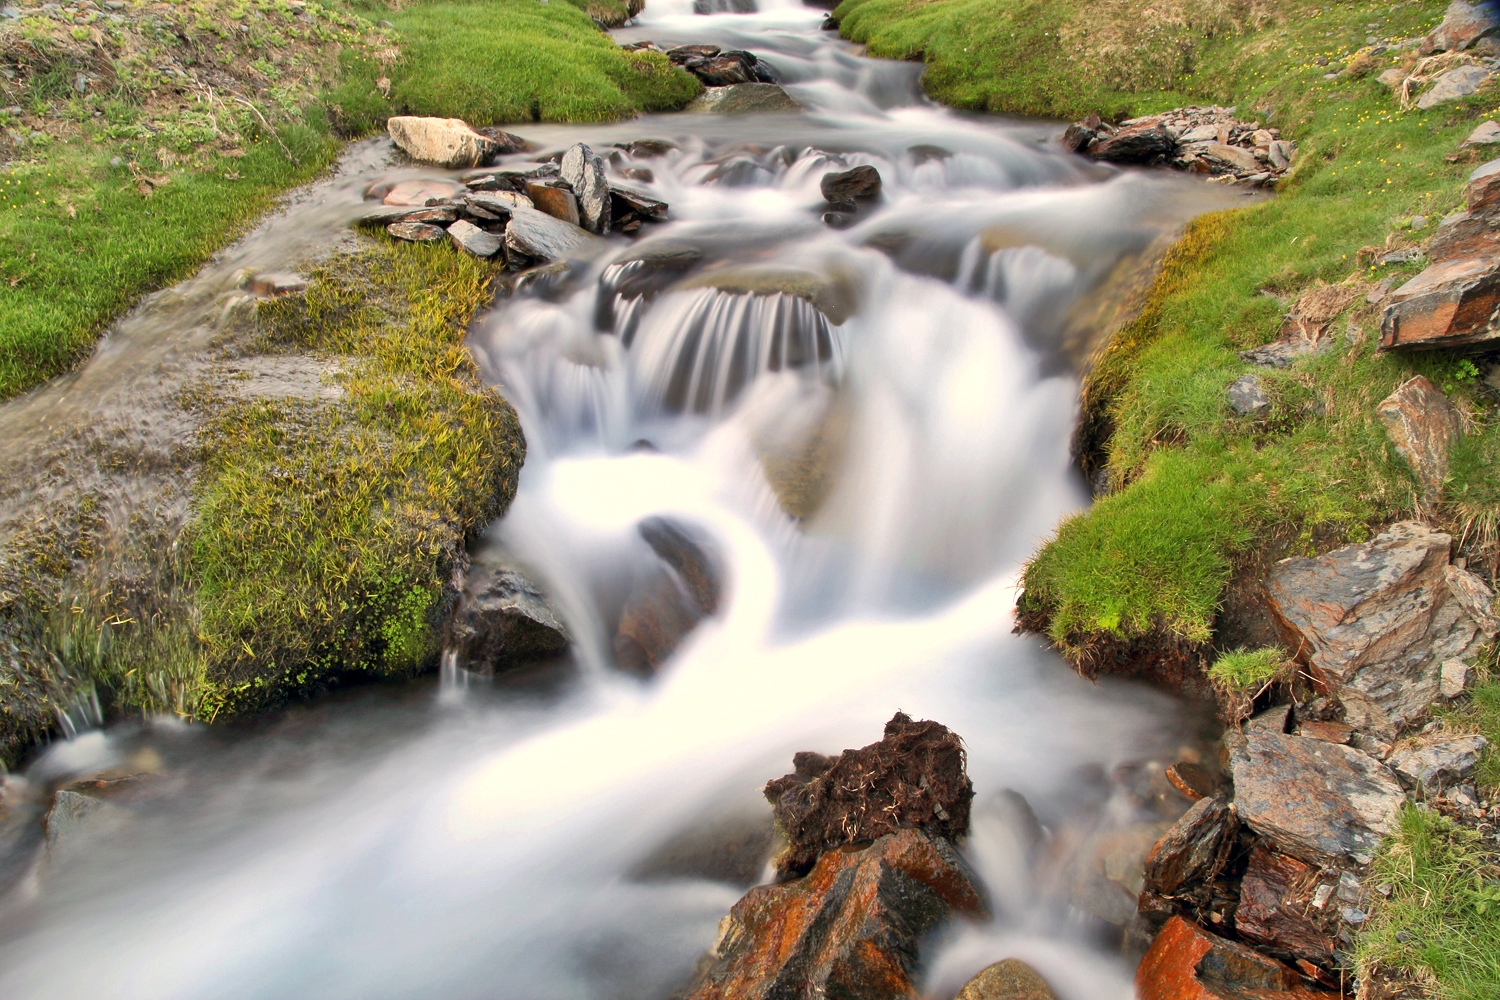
x=1354, y=915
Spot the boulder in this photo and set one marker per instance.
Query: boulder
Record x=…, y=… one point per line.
x=1140, y=143
x=443, y=142
x=471, y=239
x=415, y=232
x=584, y=173
x=1193, y=850
x=862, y=182
x=1379, y=617
x=1453, y=303
x=743, y=99
x=1277, y=908
x=1011, y=979
x=1423, y=426
x=1452, y=85
x=504, y=620
x=724, y=70
x=1483, y=188
x=1186, y=962
x=850, y=928
x=555, y=198
x=1462, y=26
x=669, y=598
x=1466, y=234
x=1328, y=732
x=1247, y=398
x=421, y=193
x=536, y=236
x=1317, y=801
x=1234, y=157
x=1432, y=764
x=913, y=777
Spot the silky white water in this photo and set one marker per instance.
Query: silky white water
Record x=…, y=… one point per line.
x=486, y=839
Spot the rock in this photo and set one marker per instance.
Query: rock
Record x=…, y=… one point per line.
x=443, y=142
x=1450, y=304
x=1281, y=153
x=584, y=173
x=385, y=215
x=1364, y=715
x=1379, y=617
x=1466, y=234
x=1483, y=188
x=76, y=819
x=498, y=202
x=1193, y=850
x=1305, y=330
x=1276, y=719
x=1454, y=678
x=744, y=99
x=422, y=193
x=1328, y=732
x=680, y=54
x=1234, y=157
x=862, y=182
x=1317, y=801
x=274, y=284
x=1186, y=962
x=471, y=239
x=1476, y=598
x=1276, y=908
x=690, y=556
x=913, y=777
x=1392, y=78
x=836, y=295
x=724, y=70
x=504, y=620
x=1191, y=780
x=536, y=236
x=628, y=200
x=415, y=232
x=556, y=199
x=1462, y=26
x=1486, y=134
x=1423, y=426
x=734, y=849
x=1247, y=398
x=647, y=148
x=850, y=928
x=1011, y=979
x=669, y=599
x=1452, y=85
x=1432, y=764
x=1076, y=137
x=1134, y=144
x=505, y=142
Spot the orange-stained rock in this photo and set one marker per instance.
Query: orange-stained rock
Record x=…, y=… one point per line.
x=555, y=199
x=1451, y=304
x=849, y=928
x=1188, y=963
x=1276, y=908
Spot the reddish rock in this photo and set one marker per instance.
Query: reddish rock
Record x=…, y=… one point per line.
x=1483, y=189
x=1451, y=304
x=1193, y=850
x=914, y=777
x=1328, y=732
x=1191, y=780
x=1465, y=234
x=555, y=199
x=1186, y=962
x=850, y=928
x=1462, y=26
x=1423, y=426
x=1276, y=908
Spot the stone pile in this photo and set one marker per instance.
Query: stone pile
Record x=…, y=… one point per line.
x=716, y=67
x=1205, y=140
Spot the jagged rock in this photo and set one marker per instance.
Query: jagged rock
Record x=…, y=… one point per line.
x=1186, y=962
x=743, y=99
x=505, y=142
x=555, y=198
x=1231, y=156
x=1193, y=850
x=1076, y=137
x=1364, y=715
x=850, y=928
x=1423, y=426
x=1247, y=398
x=1450, y=304
x=389, y=214
x=1380, y=617
x=647, y=148
x=536, y=236
x=471, y=239
x=504, y=620
x=443, y=142
x=680, y=54
x=1317, y=801
x=1483, y=188
x=862, y=182
x=669, y=599
x=421, y=193
x=913, y=777
x=1462, y=26
x=1011, y=979
x=1454, y=678
x=584, y=173
x=415, y=232
x=1134, y=144
x=724, y=70
x=1452, y=85
x=1276, y=907
x=627, y=201
x=1465, y=234
x=1281, y=153
x=1432, y=764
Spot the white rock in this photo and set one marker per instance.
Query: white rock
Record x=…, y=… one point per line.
x=444, y=142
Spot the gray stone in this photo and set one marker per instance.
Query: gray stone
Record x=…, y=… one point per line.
x=643, y=205
x=1231, y=156
x=1275, y=719
x=538, y=236
x=444, y=142
x=1452, y=85
x=415, y=232
x=1463, y=25
x=1418, y=222
x=1247, y=398
x=1320, y=802
x=499, y=202
x=743, y=99
x=1488, y=133
x=1281, y=153
x=503, y=619
x=584, y=172
x=1433, y=764
x=469, y=237
x=1454, y=679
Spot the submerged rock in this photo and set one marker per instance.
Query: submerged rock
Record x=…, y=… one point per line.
x=862, y=182
x=744, y=99
x=443, y=142
x=669, y=598
x=1011, y=979
x=914, y=777
x=504, y=620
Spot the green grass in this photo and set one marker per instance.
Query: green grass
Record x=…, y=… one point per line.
x=1441, y=923
x=325, y=530
x=504, y=61
x=1249, y=670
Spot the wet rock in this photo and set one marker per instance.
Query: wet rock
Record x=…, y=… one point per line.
x=850, y=928
x=443, y=142
x=1076, y=137
x=583, y=171
x=415, y=232
x=1247, y=398
x=629, y=202
x=743, y=99
x=536, y=236
x=274, y=284
x=734, y=849
x=1432, y=764
x=669, y=599
x=1011, y=979
x=914, y=777
x=1454, y=678
x=75, y=819
x=647, y=148
x=1191, y=780
x=680, y=54
x=1317, y=801
x=1423, y=426
x=724, y=70
x=860, y=183
x=504, y=620
x=690, y=555
x=1276, y=908
x=1452, y=85
x=421, y=193
x=505, y=142
x=1134, y=144
x=1186, y=962
x=1193, y=850
x=471, y=239
x=556, y=199
x=1462, y=26
x=1379, y=617
x=836, y=296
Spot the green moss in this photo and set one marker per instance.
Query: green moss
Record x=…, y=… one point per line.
x=325, y=528
x=506, y=61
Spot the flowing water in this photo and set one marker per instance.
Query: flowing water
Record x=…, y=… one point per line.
x=505, y=838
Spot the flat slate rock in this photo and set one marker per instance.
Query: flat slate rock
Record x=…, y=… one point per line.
x=539, y=236
x=415, y=232
x=1435, y=764
x=471, y=239
x=744, y=99
x=1276, y=910
x=1193, y=850
x=1423, y=426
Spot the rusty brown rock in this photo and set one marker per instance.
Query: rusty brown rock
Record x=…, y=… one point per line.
x=1423, y=426
x=1191, y=780
x=1465, y=234
x=1483, y=189
x=849, y=928
x=1011, y=979
x=1328, y=732
x=555, y=199
x=913, y=777
x=1463, y=24
x=1193, y=850
x=1451, y=304
x=1186, y=962
x=1276, y=908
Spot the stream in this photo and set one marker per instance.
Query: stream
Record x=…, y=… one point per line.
x=523, y=836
